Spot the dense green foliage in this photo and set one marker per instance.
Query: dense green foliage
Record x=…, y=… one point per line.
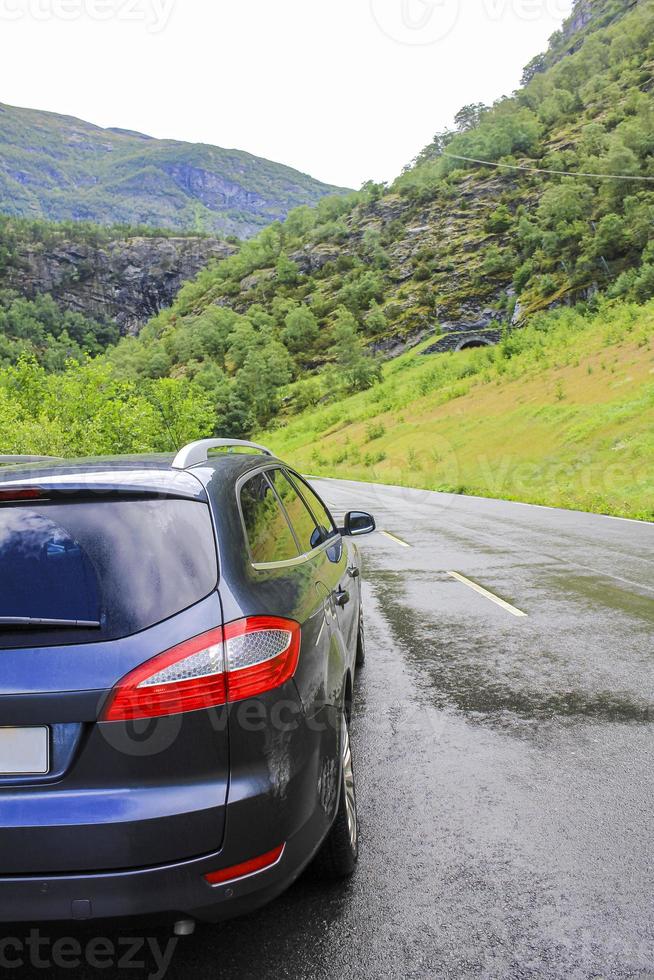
x=587, y=17
x=60, y=168
x=86, y=410
x=40, y=328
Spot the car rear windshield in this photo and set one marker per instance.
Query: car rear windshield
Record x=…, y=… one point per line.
x=104, y=568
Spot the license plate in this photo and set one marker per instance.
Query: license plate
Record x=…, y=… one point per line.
x=24, y=751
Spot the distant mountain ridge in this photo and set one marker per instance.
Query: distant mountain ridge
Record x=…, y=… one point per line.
x=60, y=168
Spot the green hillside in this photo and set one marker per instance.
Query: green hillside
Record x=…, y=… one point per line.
x=452, y=250
x=560, y=413
x=549, y=272
x=60, y=168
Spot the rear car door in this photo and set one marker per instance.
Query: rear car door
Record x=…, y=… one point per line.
x=346, y=594
x=283, y=575
x=319, y=538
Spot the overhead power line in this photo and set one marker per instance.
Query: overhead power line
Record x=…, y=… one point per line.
x=538, y=170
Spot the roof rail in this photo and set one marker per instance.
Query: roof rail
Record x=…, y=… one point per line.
x=198, y=452
x=8, y=460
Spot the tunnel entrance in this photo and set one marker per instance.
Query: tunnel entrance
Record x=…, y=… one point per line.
x=474, y=342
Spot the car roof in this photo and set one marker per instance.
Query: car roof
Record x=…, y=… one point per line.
x=147, y=473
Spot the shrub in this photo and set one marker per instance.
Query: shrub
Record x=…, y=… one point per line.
x=375, y=430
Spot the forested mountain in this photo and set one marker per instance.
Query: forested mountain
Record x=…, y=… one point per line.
x=454, y=249
x=60, y=168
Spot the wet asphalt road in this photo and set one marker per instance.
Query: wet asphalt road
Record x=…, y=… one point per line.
x=504, y=763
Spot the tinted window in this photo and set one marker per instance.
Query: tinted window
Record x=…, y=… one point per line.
x=308, y=534
x=269, y=536
x=127, y=563
x=320, y=512
x=44, y=572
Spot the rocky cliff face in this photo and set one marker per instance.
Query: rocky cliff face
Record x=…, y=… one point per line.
x=586, y=16
x=127, y=281
x=582, y=14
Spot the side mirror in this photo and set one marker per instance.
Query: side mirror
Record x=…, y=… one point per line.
x=357, y=522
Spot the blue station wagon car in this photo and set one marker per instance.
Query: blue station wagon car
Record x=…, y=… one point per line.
x=179, y=640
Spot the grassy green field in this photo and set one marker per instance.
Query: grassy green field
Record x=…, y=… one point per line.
x=561, y=413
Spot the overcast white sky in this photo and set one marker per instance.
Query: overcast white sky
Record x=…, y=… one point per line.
x=346, y=90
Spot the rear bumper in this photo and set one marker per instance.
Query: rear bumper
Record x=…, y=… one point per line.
x=179, y=889
x=283, y=794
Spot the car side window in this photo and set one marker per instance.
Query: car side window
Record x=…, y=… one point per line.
x=321, y=514
x=269, y=536
x=306, y=529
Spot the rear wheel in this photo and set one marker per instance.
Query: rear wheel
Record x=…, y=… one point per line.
x=339, y=854
x=361, y=645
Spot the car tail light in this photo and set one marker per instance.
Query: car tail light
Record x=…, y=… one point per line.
x=261, y=653
x=246, y=868
x=240, y=660
x=21, y=493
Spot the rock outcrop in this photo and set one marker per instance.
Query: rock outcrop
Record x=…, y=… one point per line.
x=127, y=281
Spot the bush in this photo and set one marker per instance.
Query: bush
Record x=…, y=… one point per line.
x=499, y=221
x=375, y=430
x=86, y=410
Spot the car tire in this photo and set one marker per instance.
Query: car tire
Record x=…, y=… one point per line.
x=361, y=645
x=339, y=853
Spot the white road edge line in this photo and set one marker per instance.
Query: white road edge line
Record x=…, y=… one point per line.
x=488, y=595
x=394, y=537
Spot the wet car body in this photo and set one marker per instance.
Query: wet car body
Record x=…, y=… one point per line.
x=203, y=813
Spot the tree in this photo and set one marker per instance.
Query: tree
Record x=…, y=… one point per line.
x=298, y=223
x=360, y=288
x=372, y=191
x=373, y=250
x=357, y=369
x=87, y=410
x=470, y=116
x=257, y=385
x=533, y=68
x=593, y=139
x=300, y=329
x=287, y=271
x=611, y=237
x=243, y=339
x=565, y=202
x=376, y=322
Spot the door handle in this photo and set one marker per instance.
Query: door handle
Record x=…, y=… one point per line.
x=353, y=571
x=341, y=597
